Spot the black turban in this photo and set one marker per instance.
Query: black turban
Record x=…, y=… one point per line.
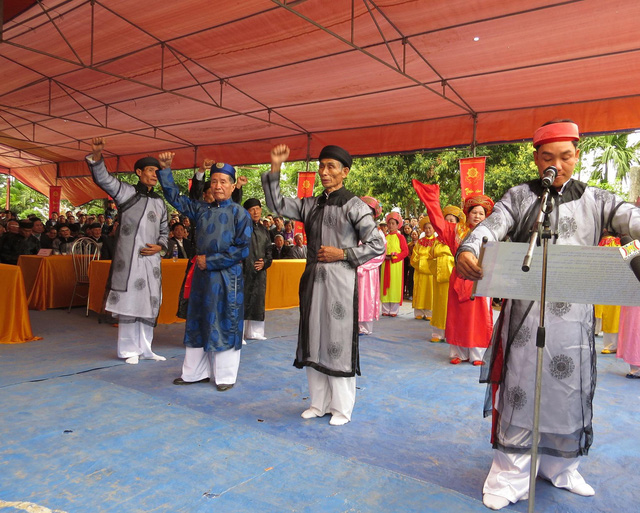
x=95, y=225
x=146, y=161
x=336, y=153
x=251, y=202
x=25, y=224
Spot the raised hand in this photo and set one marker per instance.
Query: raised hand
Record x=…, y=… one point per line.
x=279, y=154
x=207, y=163
x=165, y=159
x=242, y=180
x=97, y=145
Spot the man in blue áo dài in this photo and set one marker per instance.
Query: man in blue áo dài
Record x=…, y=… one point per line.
x=213, y=333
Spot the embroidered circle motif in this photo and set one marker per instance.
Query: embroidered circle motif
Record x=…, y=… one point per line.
x=330, y=219
x=561, y=366
x=598, y=194
x=567, y=226
x=492, y=222
x=156, y=272
x=345, y=264
x=155, y=302
x=140, y=284
x=321, y=274
x=338, y=310
x=516, y=397
x=114, y=297
x=127, y=229
x=522, y=337
x=118, y=265
x=151, y=216
x=335, y=350
x=560, y=309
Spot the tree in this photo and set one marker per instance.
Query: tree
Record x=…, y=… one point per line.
x=609, y=152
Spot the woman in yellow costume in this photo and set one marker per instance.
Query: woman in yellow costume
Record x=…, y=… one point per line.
x=423, y=277
x=441, y=264
x=392, y=276
x=610, y=314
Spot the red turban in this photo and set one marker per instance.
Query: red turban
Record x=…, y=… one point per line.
x=553, y=132
x=484, y=201
x=396, y=216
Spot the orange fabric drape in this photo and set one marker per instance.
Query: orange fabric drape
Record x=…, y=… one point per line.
x=15, y=326
x=49, y=281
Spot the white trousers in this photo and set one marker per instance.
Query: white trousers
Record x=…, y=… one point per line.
x=610, y=341
x=437, y=332
x=253, y=330
x=423, y=313
x=466, y=353
x=509, y=474
x=330, y=394
x=222, y=366
x=134, y=339
x=390, y=308
x=366, y=327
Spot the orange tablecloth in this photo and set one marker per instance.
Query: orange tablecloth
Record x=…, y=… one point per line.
x=15, y=326
x=283, y=280
x=49, y=281
x=172, y=276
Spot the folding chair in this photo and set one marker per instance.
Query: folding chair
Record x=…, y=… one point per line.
x=83, y=251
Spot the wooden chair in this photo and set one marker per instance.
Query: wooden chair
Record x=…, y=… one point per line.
x=83, y=251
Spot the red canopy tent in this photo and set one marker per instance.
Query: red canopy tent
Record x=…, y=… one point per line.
x=229, y=79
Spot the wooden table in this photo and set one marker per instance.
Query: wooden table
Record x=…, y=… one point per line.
x=283, y=279
x=15, y=326
x=49, y=281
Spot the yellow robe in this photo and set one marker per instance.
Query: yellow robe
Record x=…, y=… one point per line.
x=422, y=277
x=441, y=264
x=394, y=292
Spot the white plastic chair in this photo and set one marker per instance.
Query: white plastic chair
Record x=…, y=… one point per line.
x=83, y=251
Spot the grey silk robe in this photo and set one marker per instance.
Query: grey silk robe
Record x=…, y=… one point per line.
x=135, y=281
x=328, y=331
x=569, y=365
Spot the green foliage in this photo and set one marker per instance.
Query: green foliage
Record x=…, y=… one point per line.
x=23, y=200
x=609, y=152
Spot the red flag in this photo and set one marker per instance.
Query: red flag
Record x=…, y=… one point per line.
x=55, y=192
x=472, y=176
x=306, y=180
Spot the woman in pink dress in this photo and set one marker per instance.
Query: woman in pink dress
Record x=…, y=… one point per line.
x=629, y=339
x=369, y=281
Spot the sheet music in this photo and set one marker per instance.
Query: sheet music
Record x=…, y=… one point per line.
x=575, y=274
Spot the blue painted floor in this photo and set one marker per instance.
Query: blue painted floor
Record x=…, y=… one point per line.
x=80, y=431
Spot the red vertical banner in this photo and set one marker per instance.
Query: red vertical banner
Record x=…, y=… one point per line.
x=55, y=192
x=306, y=181
x=472, y=176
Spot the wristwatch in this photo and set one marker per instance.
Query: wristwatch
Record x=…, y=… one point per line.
x=344, y=254
x=163, y=252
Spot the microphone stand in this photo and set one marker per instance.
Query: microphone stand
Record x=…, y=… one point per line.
x=540, y=228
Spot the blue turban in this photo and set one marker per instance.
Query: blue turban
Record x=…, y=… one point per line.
x=227, y=169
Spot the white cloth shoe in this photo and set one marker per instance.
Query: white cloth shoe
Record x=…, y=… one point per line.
x=133, y=360
x=494, y=502
x=584, y=489
x=338, y=420
x=309, y=414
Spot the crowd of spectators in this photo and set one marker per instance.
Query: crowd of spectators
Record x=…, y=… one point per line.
x=29, y=235
x=58, y=233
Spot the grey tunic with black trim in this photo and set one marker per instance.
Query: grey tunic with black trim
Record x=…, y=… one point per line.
x=328, y=331
x=569, y=365
x=135, y=281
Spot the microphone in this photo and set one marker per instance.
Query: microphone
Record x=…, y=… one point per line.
x=549, y=176
x=630, y=251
